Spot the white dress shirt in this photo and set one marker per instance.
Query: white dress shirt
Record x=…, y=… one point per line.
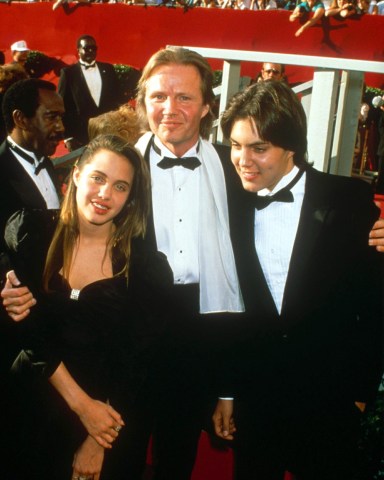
x=175, y=194
x=93, y=78
x=275, y=233
x=42, y=180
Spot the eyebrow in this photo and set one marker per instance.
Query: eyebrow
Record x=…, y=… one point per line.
x=254, y=144
x=106, y=176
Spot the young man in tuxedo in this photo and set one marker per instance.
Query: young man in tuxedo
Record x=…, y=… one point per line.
x=88, y=88
x=309, y=357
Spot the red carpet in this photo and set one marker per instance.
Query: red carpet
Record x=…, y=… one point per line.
x=212, y=463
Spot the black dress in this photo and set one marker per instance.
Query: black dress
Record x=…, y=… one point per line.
x=107, y=339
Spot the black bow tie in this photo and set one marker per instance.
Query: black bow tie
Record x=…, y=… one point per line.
x=45, y=162
x=187, y=162
x=283, y=195
x=86, y=66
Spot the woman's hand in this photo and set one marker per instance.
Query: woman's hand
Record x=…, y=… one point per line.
x=101, y=421
x=88, y=460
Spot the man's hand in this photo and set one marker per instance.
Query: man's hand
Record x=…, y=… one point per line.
x=223, y=421
x=361, y=406
x=88, y=460
x=376, y=236
x=17, y=300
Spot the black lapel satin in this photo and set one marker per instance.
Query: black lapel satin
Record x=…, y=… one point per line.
x=21, y=181
x=82, y=90
x=257, y=296
x=105, y=84
x=315, y=209
x=150, y=237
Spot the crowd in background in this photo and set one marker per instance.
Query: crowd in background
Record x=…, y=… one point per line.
x=343, y=8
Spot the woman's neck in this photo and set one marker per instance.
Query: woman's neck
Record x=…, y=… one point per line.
x=91, y=260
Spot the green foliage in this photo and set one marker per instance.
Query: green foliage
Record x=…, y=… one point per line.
x=38, y=64
x=128, y=78
x=374, y=91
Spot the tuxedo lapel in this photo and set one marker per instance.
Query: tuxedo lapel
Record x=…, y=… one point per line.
x=313, y=218
x=104, y=83
x=150, y=236
x=20, y=181
x=81, y=89
x=254, y=287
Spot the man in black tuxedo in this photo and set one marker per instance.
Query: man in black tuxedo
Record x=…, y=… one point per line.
x=33, y=112
x=88, y=88
x=189, y=223
x=308, y=358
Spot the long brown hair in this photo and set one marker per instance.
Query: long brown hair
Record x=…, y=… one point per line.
x=129, y=223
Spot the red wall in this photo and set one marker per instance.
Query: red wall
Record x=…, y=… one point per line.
x=130, y=34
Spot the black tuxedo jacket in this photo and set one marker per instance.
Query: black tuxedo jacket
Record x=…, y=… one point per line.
x=18, y=190
x=78, y=102
x=327, y=342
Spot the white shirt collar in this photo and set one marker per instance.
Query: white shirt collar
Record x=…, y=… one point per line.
x=28, y=152
x=165, y=152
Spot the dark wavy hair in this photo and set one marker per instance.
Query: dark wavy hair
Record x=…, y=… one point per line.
x=277, y=113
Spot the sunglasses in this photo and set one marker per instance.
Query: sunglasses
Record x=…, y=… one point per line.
x=90, y=48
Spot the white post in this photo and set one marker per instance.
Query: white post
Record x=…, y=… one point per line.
x=321, y=118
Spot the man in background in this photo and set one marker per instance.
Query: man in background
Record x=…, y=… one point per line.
x=19, y=52
x=88, y=88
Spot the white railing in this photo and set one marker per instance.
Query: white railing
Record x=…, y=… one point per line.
x=331, y=100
